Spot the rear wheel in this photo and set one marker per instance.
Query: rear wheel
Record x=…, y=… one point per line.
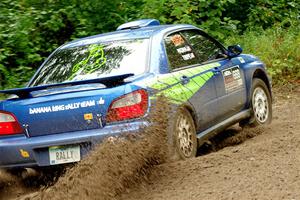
x=261, y=104
x=184, y=135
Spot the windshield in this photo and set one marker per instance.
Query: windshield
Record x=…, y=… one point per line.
x=94, y=61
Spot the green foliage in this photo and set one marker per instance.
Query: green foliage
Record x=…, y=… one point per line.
x=23, y=35
x=31, y=29
x=264, y=13
x=278, y=47
x=209, y=15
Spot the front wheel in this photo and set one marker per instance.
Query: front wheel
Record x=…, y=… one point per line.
x=183, y=131
x=261, y=104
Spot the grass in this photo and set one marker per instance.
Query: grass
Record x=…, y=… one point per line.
x=278, y=47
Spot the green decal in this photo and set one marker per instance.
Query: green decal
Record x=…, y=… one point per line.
x=169, y=85
x=177, y=92
x=158, y=85
x=93, y=62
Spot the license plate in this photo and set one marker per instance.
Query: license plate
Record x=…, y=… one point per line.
x=64, y=154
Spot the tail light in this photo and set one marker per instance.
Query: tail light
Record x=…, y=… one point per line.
x=9, y=124
x=129, y=106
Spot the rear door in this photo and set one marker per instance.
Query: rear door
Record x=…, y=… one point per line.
x=194, y=81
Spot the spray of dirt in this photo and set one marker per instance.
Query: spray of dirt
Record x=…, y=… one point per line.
x=7, y=179
x=232, y=136
x=12, y=185
x=116, y=165
x=235, y=135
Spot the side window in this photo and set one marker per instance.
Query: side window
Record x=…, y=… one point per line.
x=204, y=48
x=180, y=53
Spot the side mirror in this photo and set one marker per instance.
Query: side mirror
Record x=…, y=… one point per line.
x=234, y=50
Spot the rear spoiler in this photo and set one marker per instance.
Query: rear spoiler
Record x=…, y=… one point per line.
x=107, y=81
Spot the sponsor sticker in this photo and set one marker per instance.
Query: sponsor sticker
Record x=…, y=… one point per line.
x=177, y=40
x=241, y=59
x=184, y=49
x=63, y=107
x=188, y=56
x=232, y=79
x=24, y=154
x=88, y=116
x=101, y=101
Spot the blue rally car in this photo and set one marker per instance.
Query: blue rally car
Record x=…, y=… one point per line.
x=93, y=87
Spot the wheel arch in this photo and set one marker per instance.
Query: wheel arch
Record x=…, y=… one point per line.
x=192, y=111
x=260, y=74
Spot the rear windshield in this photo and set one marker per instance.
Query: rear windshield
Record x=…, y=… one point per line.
x=94, y=61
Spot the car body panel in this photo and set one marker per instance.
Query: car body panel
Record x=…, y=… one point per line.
x=63, y=112
x=37, y=147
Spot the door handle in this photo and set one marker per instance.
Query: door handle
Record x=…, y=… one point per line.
x=216, y=70
x=184, y=80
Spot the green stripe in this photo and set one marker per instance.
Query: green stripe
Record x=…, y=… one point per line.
x=179, y=93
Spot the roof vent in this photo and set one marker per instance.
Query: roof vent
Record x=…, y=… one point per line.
x=138, y=24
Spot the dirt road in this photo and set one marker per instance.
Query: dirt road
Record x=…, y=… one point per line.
x=264, y=167
x=260, y=163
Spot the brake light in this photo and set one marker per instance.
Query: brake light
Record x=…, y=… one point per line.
x=129, y=106
x=9, y=124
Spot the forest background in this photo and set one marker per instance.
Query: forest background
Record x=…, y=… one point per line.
x=31, y=29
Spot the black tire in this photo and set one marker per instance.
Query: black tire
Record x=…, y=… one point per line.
x=260, y=105
x=182, y=135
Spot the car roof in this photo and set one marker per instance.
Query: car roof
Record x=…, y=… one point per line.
x=139, y=33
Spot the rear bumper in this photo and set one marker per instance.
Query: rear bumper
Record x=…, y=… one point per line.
x=37, y=147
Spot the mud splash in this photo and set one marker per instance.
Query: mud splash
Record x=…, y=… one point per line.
x=232, y=136
x=116, y=165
